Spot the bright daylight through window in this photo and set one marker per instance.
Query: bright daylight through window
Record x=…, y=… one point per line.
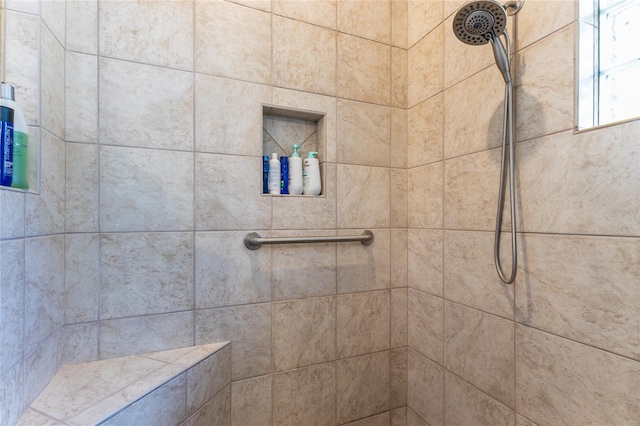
x=609, y=62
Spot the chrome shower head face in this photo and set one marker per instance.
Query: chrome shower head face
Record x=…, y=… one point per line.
x=476, y=22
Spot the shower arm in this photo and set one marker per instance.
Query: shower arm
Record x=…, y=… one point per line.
x=512, y=7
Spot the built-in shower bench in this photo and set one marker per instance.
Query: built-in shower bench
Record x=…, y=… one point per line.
x=188, y=386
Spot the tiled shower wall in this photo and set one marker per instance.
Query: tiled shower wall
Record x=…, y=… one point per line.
x=32, y=241
x=561, y=345
x=159, y=180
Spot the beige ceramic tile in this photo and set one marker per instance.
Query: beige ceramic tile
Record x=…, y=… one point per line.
x=80, y=343
x=11, y=304
x=364, y=69
x=543, y=18
x=248, y=328
x=544, y=86
x=81, y=187
x=227, y=273
x=149, y=198
x=256, y=4
x=426, y=325
x=236, y=104
x=424, y=16
x=32, y=418
x=379, y=420
x=44, y=289
x=52, y=86
x=325, y=127
x=126, y=336
x=215, y=412
x=362, y=268
x=471, y=191
x=136, y=279
x=76, y=388
x=562, y=382
x=398, y=317
x=363, y=196
x=425, y=67
x=399, y=23
x=22, y=61
x=304, y=56
x=522, y=421
x=425, y=196
x=425, y=391
x=223, y=196
x=425, y=260
x=363, y=386
x=318, y=12
x=399, y=246
x=293, y=263
x=364, y=133
x=399, y=137
x=81, y=97
x=363, y=323
x=130, y=31
x=44, y=213
x=399, y=417
x=470, y=276
x=479, y=348
x=466, y=405
x=399, y=76
x=53, y=15
x=398, y=359
x=474, y=123
x=452, y=6
x=233, y=41
x=81, y=277
x=12, y=211
x=304, y=332
x=305, y=396
x=132, y=94
x=368, y=19
x=164, y=405
x=557, y=290
x=578, y=184
x=461, y=60
x=426, y=129
x=251, y=402
x=82, y=26
x=42, y=365
x=207, y=378
x=413, y=419
x=308, y=212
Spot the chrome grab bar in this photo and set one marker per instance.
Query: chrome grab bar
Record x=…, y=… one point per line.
x=253, y=240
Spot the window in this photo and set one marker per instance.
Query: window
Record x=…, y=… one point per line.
x=609, y=62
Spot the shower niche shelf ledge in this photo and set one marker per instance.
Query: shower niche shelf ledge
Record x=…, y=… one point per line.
x=283, y=127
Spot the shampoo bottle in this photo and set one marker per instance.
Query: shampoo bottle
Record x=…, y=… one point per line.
x=295, y=172
x=284, y=175
x=274, y=175
x=265, y=174
x=20, y=137
x=311, y=175
x=6, y=150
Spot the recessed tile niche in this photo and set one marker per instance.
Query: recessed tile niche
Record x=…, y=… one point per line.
x=282, y=128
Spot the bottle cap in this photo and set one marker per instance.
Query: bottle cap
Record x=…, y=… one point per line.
x=312, y=154
x=296, y=147
x=274, y=156
x=7, y=91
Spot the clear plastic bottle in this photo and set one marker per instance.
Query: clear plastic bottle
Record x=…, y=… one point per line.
x=274, y=175
x=295, y=172
x=311, y=184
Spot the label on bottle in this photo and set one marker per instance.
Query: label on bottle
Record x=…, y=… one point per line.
x=6, y=136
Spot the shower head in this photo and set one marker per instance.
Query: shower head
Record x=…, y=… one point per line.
x=482, y=22
x=476, y=22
